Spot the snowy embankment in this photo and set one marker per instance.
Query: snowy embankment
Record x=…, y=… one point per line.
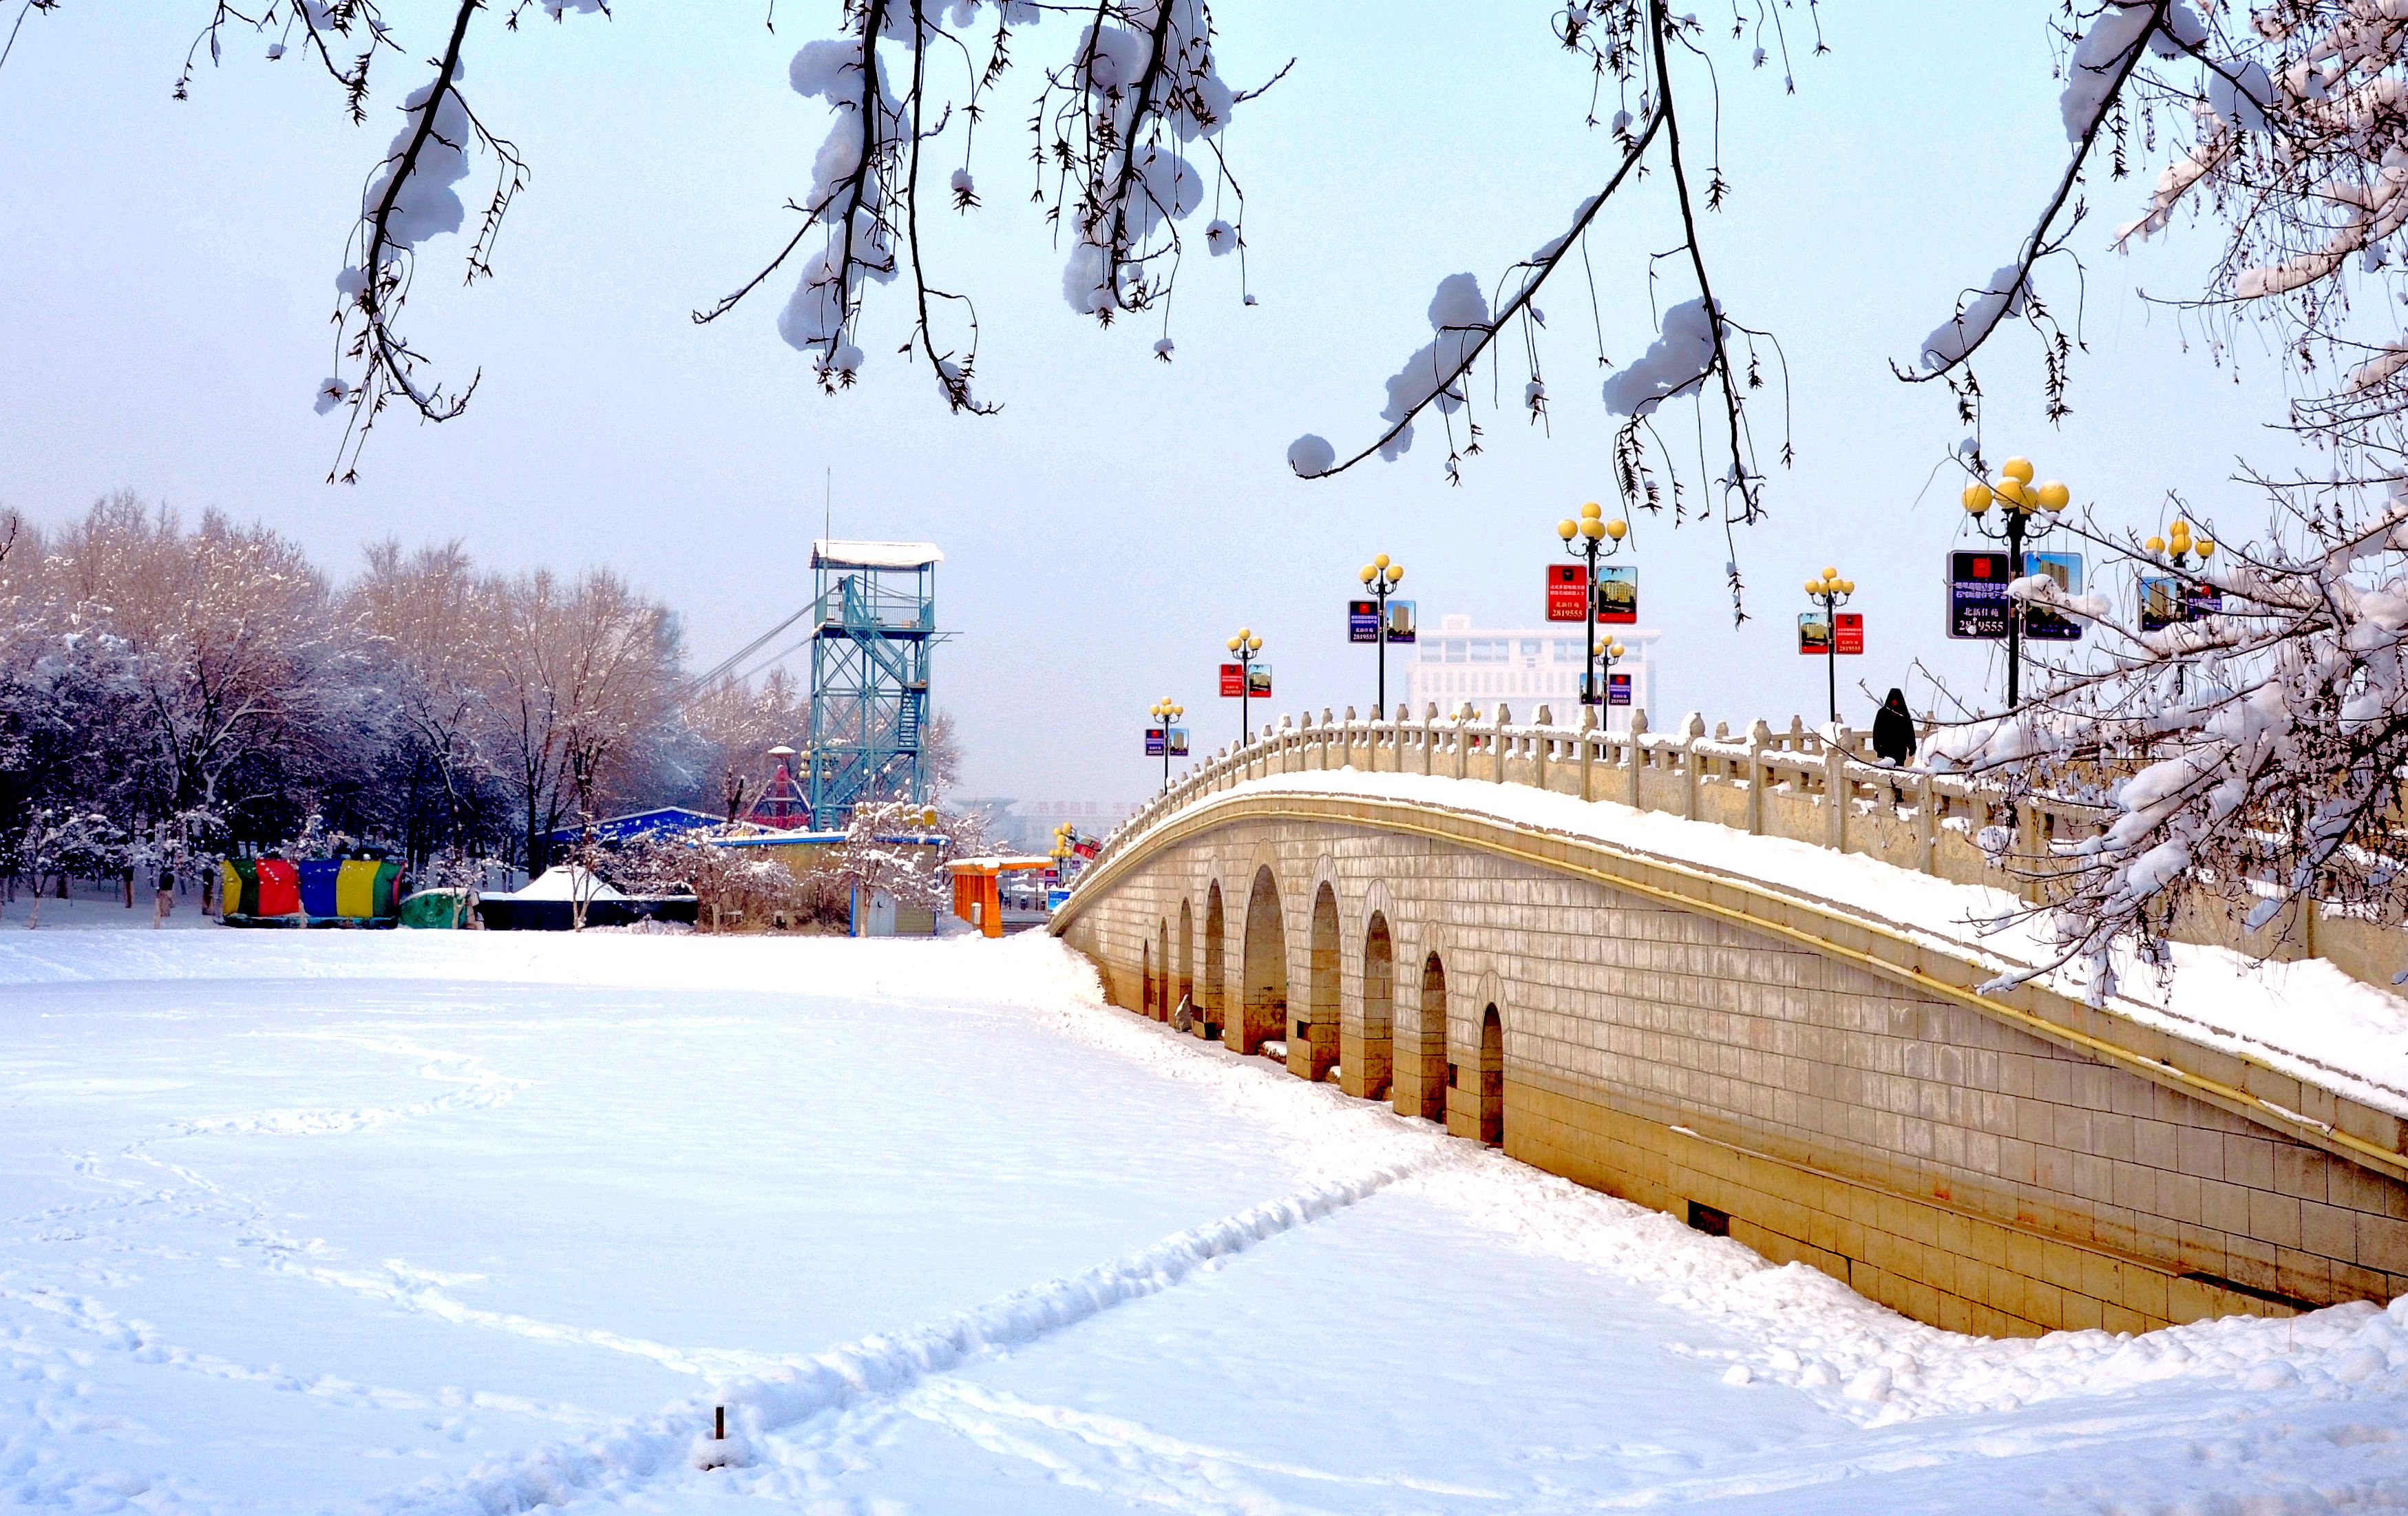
x=1017, y=1122
x=2308, y=1019
x=1811, y=1334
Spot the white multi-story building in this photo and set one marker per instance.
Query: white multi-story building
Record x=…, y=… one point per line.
x=1458, y=665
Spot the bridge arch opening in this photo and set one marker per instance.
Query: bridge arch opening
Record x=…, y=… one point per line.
x=1421, y=1091
x=1162, y=956
x=1262, y=1010
x=1313, y=1042
x=1492, y=1078
x=1187, y=987
x=1365, y=1061
x=1216, y=937
x=1145, y=978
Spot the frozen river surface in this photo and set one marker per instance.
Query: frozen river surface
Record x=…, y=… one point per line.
x=473, y=1223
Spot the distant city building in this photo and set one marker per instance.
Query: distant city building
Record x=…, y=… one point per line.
x=1526, y=668
x=1028, y=825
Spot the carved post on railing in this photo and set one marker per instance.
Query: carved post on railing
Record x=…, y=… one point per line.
x=1282, y=743
x=1539, y=746
x=1460, y=737
x=1838, y=791
x=1429, y=727
x=1346, y=738
x=1693, y=731
x=1496, y=744
x=1927, y=824
x=1637, y=757
x=1759, y=736
x=1587, y=745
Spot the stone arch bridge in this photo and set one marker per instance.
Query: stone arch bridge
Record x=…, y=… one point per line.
x=1713, y=976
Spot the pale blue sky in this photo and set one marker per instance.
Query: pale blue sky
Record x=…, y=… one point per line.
x=166, y=275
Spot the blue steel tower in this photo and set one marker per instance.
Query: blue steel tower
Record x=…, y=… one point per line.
x=877, y=608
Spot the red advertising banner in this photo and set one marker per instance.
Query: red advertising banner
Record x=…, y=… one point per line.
x=1851, y=631
x=1233, y=681
x=1567, y=592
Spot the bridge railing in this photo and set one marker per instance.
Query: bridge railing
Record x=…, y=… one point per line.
x=1819, y=786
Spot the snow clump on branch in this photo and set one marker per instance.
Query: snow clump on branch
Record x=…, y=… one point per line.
x=1675, y=363
x=425, y=205
x=1960, y=333
x=1458, y=317
x=2099, y=59
x=845, y=197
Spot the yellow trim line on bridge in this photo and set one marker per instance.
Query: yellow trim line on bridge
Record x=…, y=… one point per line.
x=1397, y=816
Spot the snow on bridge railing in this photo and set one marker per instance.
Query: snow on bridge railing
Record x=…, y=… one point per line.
x=1767, y=782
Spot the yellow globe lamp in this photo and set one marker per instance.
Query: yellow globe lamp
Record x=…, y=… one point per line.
x=1253, y=644
x=2054, y=495
x=1567, y=529
x=1591, y=511
x=1380, y=561
x=2206, y=548
x=1976, y=497
x=1616, y=528
x=1395, y=573
x=2155, y=544
x=1592, y=528
x=1814, y=586
x=1614, y=647
x=1233, y=644
x=1847, y=586
x=1369, y=573
x=2009, y=492
x=2017, y=469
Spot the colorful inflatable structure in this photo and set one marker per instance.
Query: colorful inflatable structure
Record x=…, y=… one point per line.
x=310, y=892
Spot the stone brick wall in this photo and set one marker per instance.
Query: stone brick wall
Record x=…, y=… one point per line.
x=1968, y=1171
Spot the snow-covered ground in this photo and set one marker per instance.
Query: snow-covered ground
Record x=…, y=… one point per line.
x=460, y=1222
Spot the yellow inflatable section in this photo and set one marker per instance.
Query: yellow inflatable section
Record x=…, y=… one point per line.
x=355, y=889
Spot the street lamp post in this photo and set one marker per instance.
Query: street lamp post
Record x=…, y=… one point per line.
x=1244, y=645
x=1381, y=578
x=1608, y=653
x=1165, y=713
x=2015, y=491
x=1831, y=592
x=1587, y=539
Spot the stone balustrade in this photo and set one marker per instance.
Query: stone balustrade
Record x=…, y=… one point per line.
x=1767, y=782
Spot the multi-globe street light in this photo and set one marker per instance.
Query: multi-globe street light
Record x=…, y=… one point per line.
x=1831, y=592
x=1608, y=652
x=1243, y=647
x=1380, y=578
x=1588, y=538
x=1165, y=714
x=2022, y=500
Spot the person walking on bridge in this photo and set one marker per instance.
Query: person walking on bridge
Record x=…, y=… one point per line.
x=1894, y=731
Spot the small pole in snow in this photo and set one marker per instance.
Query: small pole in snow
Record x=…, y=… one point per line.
x=719, y=1425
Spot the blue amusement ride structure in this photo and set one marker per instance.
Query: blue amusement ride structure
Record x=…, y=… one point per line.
x=876, y=605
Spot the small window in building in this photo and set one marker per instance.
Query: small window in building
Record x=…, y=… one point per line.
x=1455, y=649
x=1453, y=1082
x=1706, y=1218
x=1531, y=647
x=1302, y=1029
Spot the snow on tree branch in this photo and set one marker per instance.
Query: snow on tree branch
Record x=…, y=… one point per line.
x=2251, y=756
x=1634, y=43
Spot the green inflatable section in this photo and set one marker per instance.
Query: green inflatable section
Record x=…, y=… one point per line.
x=435, y=909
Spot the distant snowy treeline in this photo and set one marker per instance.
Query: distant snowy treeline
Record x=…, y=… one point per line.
x=166, y=690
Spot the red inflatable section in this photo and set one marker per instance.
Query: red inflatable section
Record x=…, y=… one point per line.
x=279, y=887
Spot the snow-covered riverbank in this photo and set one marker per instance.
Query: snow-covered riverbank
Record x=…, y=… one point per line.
x=460, y=1221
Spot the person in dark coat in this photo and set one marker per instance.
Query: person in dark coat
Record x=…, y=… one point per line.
x=1894, y=730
